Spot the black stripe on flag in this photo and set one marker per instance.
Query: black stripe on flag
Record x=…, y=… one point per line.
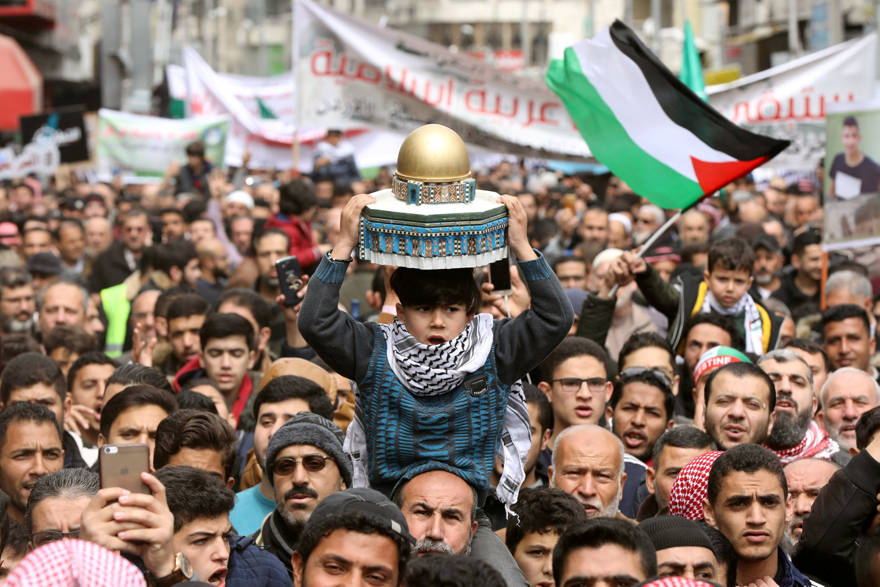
x=686, y=109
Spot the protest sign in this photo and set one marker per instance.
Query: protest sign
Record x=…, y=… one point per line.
x=352, y=74
x=852, y=177
x=144, y=146
x=40, y=158
x=261, y=118
x=790, y=101
x=65, y=128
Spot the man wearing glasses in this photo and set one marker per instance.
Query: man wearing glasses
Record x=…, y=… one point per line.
x=305, y=463
x=56, y=504
x=575, y=381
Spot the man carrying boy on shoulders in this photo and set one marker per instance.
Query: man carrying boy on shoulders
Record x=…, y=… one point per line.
x=439, y=385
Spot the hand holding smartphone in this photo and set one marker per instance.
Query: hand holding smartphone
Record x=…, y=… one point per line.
x=289, y=279
x=121, y=465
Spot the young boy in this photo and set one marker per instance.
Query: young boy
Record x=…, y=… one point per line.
x=434, y=385
x=723, y=289
x=542, y=516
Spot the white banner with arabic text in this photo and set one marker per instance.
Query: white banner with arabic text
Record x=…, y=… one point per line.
x=790, y=101
x=352, y=74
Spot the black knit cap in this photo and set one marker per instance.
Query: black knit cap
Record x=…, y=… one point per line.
x=672, y=531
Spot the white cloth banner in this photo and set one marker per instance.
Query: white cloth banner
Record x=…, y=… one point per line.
x=269, y=140
x=790, y=101
x=352, y=74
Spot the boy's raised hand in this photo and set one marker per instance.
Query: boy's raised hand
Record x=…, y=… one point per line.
x=349, y=225
x=517, y=229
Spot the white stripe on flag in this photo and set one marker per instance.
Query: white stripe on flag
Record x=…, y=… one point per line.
x=627, y=93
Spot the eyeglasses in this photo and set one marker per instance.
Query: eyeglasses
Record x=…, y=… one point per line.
x=632, y=372
x=311, y=463
x=573, y=384
x=47, y=536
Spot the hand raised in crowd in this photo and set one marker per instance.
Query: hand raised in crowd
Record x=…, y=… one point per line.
x=391, y=298
x=517, y=302
x=135, y=523
x=79, y=418
x=141, y=347
x=291, y=315
x=517, y=229
x=635, y=264
x=217, y=183
x=173, y=169
x=349, y=226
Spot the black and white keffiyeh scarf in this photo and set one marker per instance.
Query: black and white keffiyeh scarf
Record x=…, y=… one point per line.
x=429, y=370
x=754, y=333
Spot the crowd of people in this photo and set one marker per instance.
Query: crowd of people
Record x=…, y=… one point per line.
x=707, y=408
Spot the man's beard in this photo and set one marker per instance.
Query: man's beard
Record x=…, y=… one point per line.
x=13, y=325
x=788, y=430
x=603, y=511
x=764, y=279
x=429, y=545
x=220, y=273
x=640, y=236
x=298, y=516
x=272, y=282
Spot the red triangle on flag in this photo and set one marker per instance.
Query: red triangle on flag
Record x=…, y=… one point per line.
x=714, y=176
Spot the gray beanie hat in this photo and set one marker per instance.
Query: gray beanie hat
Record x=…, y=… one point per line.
x=309, y=428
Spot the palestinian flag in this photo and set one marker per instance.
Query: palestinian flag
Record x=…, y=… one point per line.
x=646, y=126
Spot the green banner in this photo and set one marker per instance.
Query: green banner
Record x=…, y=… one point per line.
x=144, y=146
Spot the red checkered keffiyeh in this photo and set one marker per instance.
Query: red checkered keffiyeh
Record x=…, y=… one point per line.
x=815, y=445
x=675, y=582
x=689, y=489
x=69, y=563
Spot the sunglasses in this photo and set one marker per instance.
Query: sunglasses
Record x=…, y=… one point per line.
x=311, y=463
x=631, y=372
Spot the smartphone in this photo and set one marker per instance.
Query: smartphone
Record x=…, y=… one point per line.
x=121, y=465
x=290, y=279
x=499, y=276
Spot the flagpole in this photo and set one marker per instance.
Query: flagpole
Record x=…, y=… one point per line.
x=294, y=56
x=655, y=237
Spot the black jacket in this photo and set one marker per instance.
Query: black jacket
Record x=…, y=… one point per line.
x=839, y=519
x=277, y=538
x=110, y=268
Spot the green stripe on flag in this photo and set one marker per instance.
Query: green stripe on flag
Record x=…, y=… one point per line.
x=611, y=144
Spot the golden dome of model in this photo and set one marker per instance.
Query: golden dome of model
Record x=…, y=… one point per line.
x=433, y=153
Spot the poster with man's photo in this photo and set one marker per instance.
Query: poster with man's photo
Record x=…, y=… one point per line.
x=852, y=177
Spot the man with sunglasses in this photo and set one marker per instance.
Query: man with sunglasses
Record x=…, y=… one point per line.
x=641, y=409
x=56, y=504
x=305, y=463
